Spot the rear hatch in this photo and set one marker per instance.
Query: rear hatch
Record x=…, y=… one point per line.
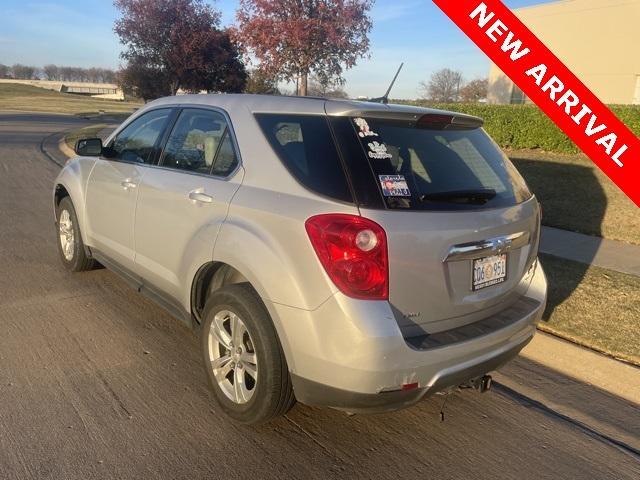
x=461, y=224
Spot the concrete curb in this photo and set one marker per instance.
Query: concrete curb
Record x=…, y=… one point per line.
x=611, y=254
x=594, y=392
x=38, y=112
x=62, y=146
x=587, y=366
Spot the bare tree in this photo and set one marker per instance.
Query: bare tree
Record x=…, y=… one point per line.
x=59, y=73
x=443, y=86
x=474, y=91
x=23, y=72
x=100, y=75
x=109, y=76
x=51, y=72
x=80, y=74
x=93, y=75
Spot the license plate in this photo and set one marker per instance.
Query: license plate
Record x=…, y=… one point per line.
x=489, y=271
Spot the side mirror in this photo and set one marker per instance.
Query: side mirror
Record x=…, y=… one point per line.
x=89, y=147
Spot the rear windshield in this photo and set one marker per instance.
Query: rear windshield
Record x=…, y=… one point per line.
x=429, y=167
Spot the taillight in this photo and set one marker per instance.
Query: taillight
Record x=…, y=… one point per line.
x=353, y=252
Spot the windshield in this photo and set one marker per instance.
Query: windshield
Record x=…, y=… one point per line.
x=428, y=167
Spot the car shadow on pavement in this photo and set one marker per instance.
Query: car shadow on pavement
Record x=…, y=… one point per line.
x=571, y=196
x=587, y=405
x=483, y=426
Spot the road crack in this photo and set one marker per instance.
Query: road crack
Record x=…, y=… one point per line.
x=100, y=375
x=308, y=434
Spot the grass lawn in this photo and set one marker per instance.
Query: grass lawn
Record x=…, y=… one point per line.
x=87, y=132
x=28, y=98
x=594, y=307
x=577, y=196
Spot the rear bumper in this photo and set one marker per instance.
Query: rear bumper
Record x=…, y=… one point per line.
x=351, y=355
x=312, y=393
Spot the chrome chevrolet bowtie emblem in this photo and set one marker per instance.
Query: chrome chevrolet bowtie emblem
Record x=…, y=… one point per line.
x=500, y=245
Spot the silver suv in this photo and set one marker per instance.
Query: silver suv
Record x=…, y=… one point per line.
x=346, y=254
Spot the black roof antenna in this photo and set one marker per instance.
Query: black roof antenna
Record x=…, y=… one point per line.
x=385, y=98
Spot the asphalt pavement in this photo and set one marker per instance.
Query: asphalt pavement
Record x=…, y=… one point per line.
x=96, y=382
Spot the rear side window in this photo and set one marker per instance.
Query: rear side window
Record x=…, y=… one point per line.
x=305, y=146
x=226, y=159
x=426, y=166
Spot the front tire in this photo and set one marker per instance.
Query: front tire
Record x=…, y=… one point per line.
x=243, y=358
x=70, y=246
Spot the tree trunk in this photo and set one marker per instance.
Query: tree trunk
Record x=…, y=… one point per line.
x=302, y=86
x=174, y=86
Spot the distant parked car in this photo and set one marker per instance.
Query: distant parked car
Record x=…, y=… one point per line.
x=345, y=254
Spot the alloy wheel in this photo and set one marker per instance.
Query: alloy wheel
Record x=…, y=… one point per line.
x=67, y=236
x=233, y=357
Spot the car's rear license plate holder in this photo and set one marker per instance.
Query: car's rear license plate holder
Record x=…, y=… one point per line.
x=488, y=271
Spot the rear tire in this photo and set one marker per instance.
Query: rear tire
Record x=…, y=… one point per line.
x=70, y=246
x=243, y=358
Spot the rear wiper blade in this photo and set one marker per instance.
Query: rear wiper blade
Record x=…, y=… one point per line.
x=478, y=196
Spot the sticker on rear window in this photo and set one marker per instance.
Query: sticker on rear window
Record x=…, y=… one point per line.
x=378, y=151
x=394, y=186
x=365, y=131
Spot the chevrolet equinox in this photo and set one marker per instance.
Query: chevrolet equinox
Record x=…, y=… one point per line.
x=345, y=254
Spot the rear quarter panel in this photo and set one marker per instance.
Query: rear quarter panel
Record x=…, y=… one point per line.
x=264, y=236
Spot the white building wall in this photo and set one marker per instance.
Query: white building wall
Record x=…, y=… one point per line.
x=598, y=40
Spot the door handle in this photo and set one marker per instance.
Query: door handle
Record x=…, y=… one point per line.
x=200, y=197
x=127, y=184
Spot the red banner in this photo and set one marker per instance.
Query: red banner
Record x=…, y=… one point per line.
x=551, y=86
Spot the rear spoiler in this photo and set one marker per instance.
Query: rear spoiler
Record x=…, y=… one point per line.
x=424, y=119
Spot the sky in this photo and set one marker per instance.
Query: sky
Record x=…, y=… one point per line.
x=80, y=33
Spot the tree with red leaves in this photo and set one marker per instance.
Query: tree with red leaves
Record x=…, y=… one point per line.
x=293, y=38
x=174, y=44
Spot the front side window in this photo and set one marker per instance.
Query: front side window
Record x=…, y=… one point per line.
x=306, y=147
x=200, y=142
x=136, y=142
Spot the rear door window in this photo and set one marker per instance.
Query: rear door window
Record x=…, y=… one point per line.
x=427, y=166
x=200, y=142
x=306, y=147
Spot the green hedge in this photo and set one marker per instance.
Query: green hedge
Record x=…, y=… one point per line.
x=525, y=126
